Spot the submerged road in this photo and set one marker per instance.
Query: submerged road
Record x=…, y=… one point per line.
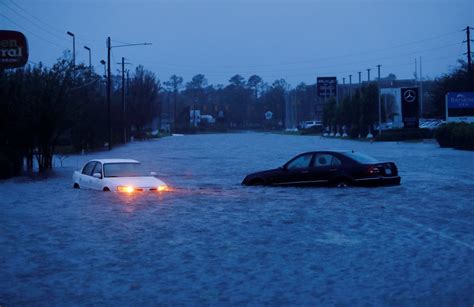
x=213, y=241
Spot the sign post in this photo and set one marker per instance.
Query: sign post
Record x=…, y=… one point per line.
x=327, y=86
x=13, y=49
x=460, y=107
x=410, y=107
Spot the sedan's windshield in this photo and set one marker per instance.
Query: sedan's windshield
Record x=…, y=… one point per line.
x=361, y=158
x=123, y=170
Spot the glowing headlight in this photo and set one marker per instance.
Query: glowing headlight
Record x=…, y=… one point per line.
x=128, y=189
x=162, y=188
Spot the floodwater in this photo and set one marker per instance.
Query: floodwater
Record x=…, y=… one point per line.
x=214, y=242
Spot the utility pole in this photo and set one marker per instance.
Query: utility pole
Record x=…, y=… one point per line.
x=343, y=88
x=421, y=91
x=350, y=88
x=109, y=123
x=468, y=53
x=360, y=78
x=109, y=48
x=380, y=107
x=124, y=126
x=368, y=74
x=416, y=71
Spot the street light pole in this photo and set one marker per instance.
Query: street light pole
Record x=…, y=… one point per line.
x=89, y=49
x=350, y=88
x=124, y=126
x=343, y=88
x=109, y=48
x=73, y=48
x=123, y=102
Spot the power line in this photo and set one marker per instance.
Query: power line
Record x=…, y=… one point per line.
x=36, y=24
x=314, y=67
x=305, y=62
x=31, y=32
x=59, y=32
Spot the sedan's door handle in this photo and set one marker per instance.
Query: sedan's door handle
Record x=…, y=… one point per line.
x=304, y=172
x=333, y=169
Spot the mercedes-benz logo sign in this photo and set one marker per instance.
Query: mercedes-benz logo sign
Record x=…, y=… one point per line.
x=409, y=95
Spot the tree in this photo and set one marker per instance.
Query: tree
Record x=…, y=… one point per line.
x=275, y=100
x=195, y=89
x=143, y=104
x=458, y=80
x=254, y=83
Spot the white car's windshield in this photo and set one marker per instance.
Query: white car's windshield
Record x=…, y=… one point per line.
x=123, y=170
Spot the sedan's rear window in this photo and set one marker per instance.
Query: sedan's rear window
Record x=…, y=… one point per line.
x=360, y=157
x=123, y=170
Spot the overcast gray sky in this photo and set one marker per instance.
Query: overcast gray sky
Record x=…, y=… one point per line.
x=294, y=40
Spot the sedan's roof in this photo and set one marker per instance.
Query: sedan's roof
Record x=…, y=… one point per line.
x=329, y=151
x=103, y=161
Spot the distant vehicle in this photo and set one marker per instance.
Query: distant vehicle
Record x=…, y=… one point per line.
x=312, y=123
x=328, y=168
x=119, y=175
x=431, y=123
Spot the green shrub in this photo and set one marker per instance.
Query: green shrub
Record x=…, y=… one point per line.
x=457, y=135
x=404, y=134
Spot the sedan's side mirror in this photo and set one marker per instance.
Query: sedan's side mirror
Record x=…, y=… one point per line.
x=152, y=173
x=97, y=175
x=283, y=168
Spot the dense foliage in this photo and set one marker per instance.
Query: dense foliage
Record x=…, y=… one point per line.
x=457, y=135
x=358, y=114
x=459, y=80
x=63, y=106
x=404, y=134
x=45, y=110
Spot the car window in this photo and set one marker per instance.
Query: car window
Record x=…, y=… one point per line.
x=323, y=160
x=98, y=168
x=326, y=160
x=87, y=170
x=361, y=158
x=123, y=170
x=300, y=162
x=335, y=161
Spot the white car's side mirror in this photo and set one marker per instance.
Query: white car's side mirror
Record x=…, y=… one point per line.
x=97, y=175
x=152, y=173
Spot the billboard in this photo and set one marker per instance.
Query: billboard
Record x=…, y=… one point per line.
x=410, y=107
x=460, y=107
x=13, y=49
x=391, y=101
x=327, y=86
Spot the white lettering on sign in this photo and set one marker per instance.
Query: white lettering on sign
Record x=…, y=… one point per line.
x=13, y=52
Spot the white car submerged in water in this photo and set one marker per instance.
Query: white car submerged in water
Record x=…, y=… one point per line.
x=119, y=175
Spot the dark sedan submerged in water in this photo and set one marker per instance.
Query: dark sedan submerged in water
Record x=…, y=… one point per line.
x=328, y=168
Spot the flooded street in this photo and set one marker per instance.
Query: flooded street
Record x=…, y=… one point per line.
x=213, y=241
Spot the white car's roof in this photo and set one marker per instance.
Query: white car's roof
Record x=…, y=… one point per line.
x=116, y=161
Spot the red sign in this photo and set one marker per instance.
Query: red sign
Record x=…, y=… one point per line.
x=13, y=49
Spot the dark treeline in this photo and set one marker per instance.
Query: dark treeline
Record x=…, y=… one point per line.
x=50, y=110
x=64, y=108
